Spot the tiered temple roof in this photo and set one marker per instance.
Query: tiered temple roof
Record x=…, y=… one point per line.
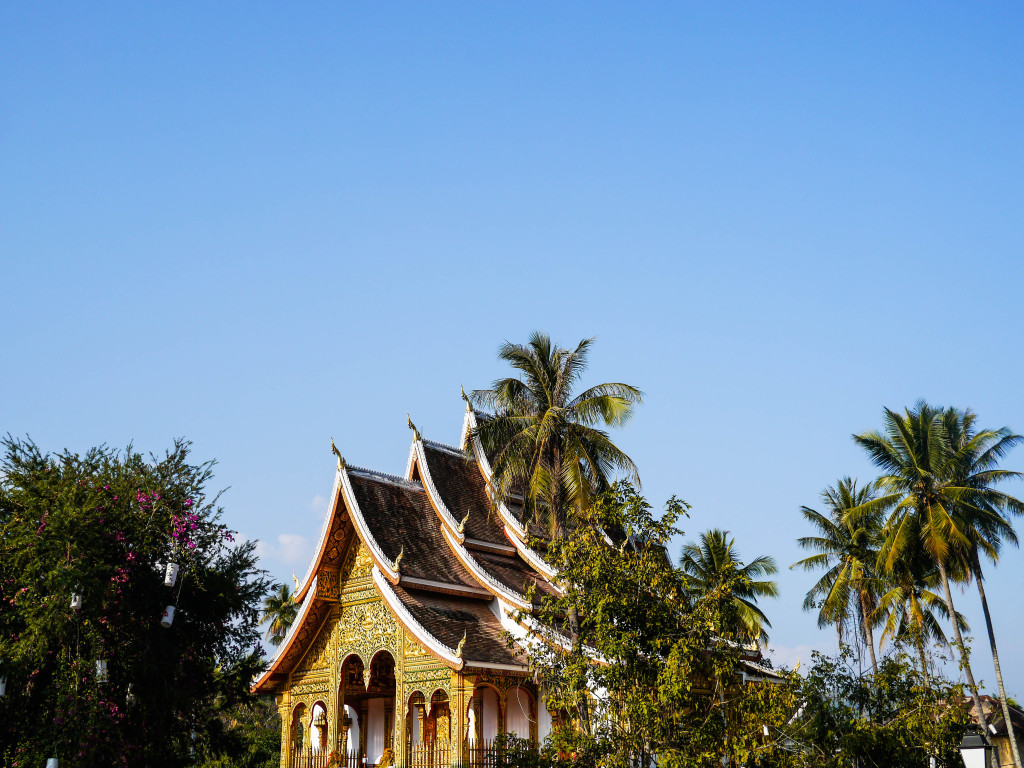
x=450, y=565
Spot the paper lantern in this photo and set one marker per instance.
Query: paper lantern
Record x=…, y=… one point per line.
x=130, y=698
x=171, y=574
x=168, y=617
x=52, y=762
x=76, y=601
x=3, y=686
x=101, y=671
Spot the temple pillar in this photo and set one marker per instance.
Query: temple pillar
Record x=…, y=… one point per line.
x=284, y=709
x=400, y=738
x=459, y=706
x=364, y=716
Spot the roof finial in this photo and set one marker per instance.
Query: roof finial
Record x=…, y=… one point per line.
x=465, y=397
x=415, y=432
x=398, y=560
x=295, y=580
x=462, y=525
x=336, y=452
x=461, y=645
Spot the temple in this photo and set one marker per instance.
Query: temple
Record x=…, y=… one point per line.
x=404, y=648
x=407, y=649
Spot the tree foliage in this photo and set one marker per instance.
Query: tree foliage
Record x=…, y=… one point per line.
x=103, y=525
x=895, y=718
x=546, y=441
x=713, y=560
x=653, y=666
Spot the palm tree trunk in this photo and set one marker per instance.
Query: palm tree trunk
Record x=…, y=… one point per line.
x=867, y=632
x=924, y=657
x=995, y=656
x=979, y=714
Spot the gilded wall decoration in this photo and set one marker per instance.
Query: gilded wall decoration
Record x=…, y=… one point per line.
x=327, y=584
x=500, y=679
x=321, y=687
x=366, y=628
x=413, y=650
x=426, y=681
x=320, y=654
x=359, y=596
x=363, y=563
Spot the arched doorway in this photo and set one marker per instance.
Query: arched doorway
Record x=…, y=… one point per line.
x=428, y=729
x=369, y=698
x=521, y=718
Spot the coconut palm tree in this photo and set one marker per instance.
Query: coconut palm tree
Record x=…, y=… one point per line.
x=928, y=507
x=910, y=611
x=546, y=442
x=714, y=563
x=847, y=548
x=279, y=611
x=976, y=454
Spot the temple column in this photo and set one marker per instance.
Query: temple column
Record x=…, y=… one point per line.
x=364, y=716
x=398, y=744
x=459, y=706
x=337, y=696
x=284, y=709
x=340, y=735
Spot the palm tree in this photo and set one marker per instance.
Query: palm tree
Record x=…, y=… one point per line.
x=714, y=564
x=279, y=611
x=847, y=548
x=975, y=467
x=910, y=611
x=918, y=466
x=546, y=442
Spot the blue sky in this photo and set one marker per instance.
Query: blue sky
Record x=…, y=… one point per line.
x=260, y=225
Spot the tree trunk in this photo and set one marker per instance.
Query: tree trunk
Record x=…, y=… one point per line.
x=867, y=632
x=995, y=655
x=979, y=714
x=924, y=657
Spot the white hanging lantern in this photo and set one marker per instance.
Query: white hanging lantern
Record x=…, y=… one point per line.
x=171, y=574
x=76, y=601
x=168, y=617
x=101, y=670
x=52, y=762
x=3, y=686
x=130, y=698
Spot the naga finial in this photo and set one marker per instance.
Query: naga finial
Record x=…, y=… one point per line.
x=295, y=580
x=398, y=560
x=461, y=645
x=415, y=432
x=465, y=397
x=336, y=452
x=462, y=525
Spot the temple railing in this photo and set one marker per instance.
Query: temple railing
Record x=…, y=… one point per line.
x=322, y=759
x=429, y=755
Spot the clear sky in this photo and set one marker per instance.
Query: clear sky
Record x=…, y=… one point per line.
x=261, y=225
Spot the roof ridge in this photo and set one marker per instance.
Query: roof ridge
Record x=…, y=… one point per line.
x=443, y=446
x=384, y=477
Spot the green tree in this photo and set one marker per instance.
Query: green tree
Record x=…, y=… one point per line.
x=846, y=548
x=894, y=718
x=247, y=736
x=84, y=544
x=928, y=506
x=975, y=467
x=667, y=666
x=546, y=442
x=713, y=564
x=279, y=612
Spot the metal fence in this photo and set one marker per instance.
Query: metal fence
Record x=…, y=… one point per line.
x=430, y=755
x=322, y=759
x=482, y=754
